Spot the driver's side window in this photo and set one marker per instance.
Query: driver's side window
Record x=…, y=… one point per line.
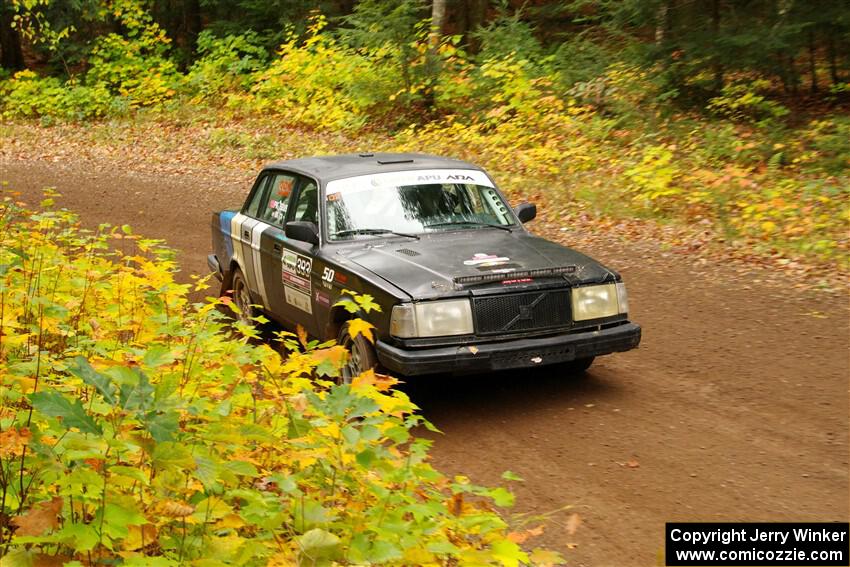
x=307, y=203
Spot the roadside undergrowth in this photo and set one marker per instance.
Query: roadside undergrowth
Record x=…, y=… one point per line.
x=139, y=429
x=592, y=197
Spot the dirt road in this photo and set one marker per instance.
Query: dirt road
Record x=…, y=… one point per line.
x=734, y=408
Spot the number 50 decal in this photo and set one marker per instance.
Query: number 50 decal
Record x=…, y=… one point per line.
x=328, y=275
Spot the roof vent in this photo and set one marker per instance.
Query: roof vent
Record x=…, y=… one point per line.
x=408, y=252
x=397, y=160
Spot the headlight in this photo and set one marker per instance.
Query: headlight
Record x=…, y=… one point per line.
x=432, y=319
x=622, y=298
x=597, y=301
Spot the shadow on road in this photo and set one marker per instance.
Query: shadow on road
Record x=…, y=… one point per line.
x=507, y=392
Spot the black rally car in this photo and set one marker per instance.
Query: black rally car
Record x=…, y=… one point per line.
x=462, y=285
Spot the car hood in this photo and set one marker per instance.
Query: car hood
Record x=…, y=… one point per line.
x=428, y=267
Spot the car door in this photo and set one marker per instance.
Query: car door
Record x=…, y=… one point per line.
x=272, y=215
x=247, y=228
x=299, y=280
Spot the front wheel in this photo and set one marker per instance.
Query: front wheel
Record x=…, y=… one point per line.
x=362, y=356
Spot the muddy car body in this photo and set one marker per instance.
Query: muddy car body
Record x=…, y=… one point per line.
x=462, y=285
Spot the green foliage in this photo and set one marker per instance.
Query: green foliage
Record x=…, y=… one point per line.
x=319, y=82
x=536, y=110
x=29, y=95
x=742, y=101
x=136, y=429
x=508, y=34
x=226, y=63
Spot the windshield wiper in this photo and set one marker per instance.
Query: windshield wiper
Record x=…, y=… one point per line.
x=373, y=231
x=474, y=223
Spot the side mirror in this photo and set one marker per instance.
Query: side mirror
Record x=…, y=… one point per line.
x=526, y=212
x=304, y=231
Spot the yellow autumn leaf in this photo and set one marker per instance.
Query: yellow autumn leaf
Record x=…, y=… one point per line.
x=230, y=521
x=361, y=327
x=140, y=536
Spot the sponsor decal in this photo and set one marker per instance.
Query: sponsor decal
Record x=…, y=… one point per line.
x=517, y=281
x=340, y=278
x=284, y=188
x=323, y=298
x=298, y=299
x=334, y=197
x=295, y=281
x=296, y=271
x=278, y=209
x=486, y=260
x=328, y=278
x=438, y=177
x=360, y=183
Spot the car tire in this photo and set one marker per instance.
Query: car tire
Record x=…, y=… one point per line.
x=241, y=297
x=362, y=355
x=578, y=366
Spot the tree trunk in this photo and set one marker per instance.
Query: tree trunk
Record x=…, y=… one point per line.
x=438, y=19
x=662, y=22
x=11, y=54
x=717, y=66
x=812, y=68
x=192, y=14
x=831, y=56
x=475, y=12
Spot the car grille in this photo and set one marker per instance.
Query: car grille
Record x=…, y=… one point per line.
x=517, y=312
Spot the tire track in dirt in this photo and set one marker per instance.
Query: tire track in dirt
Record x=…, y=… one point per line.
x=734, y=408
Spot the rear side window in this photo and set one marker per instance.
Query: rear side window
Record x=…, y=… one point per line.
x=278, y=192
x=252, y=207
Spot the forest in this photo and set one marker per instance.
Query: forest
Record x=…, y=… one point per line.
x=728, y=113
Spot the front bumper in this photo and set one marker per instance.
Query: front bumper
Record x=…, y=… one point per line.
x=516, y=353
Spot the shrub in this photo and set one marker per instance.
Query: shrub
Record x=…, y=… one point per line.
x=322, y=83
x=225, y=63
x=742, y=101
x=27, y=94
x=137, y=430
x=134, y=68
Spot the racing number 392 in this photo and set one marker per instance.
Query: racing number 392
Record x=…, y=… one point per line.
x=303, y=266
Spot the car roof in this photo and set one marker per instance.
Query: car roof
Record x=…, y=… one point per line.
x=328, y=168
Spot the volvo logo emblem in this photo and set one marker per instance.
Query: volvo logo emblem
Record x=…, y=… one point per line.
x=525, y=312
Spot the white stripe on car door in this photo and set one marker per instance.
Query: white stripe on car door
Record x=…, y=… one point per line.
x=252, y=265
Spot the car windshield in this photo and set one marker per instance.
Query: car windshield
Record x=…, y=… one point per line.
x=413, y=202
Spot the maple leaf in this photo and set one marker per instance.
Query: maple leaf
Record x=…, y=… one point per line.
x=523, y=536
x=13, y=441
x=367, y=378
x=546, y=558
x=329, y=360
x=41, y=517
x=302, y=335
x=455, y=504
x=139, y=537
x=174, y=509
x=361, y=327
